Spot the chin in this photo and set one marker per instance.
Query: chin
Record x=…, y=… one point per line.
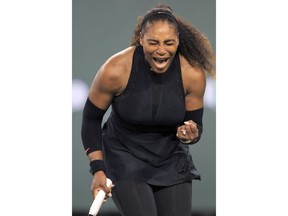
x=160, y=69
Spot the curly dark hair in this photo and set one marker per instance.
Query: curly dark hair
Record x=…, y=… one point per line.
x=193, y=44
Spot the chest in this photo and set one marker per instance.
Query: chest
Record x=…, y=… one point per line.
x=152, y=99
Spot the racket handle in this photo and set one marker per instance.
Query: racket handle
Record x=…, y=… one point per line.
x=97, y=202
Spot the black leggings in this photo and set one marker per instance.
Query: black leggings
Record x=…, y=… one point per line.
x=136, y=198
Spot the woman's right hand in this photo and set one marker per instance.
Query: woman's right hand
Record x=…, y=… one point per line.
x=99, y=183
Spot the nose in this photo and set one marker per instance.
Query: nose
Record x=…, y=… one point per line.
x=161, y=51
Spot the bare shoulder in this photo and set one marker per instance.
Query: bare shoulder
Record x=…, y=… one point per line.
x=193, y=77
x=119, y=63
x=115, y=72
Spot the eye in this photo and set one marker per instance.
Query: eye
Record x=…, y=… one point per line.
x=170, y=43
x=153, y=43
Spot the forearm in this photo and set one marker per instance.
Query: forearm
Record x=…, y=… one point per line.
x=91, y=131
x=95, y=155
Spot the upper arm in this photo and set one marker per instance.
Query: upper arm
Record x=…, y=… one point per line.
x=105, y=85
x=111, y=79
x=194, y=81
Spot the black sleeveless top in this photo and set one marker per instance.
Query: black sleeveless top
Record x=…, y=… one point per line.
x=139, y=137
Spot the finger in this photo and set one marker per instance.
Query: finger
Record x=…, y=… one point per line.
x=192, y=125
x=182, y=132
x=193, y=132
x=109, y=194
x=105, y=188
x=185, y=132
x=178, y=134
x=188, y=122
x=191, y=136
x=109, y=190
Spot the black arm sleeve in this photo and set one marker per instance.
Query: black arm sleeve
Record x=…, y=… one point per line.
x=91, y=131
x=196, y=116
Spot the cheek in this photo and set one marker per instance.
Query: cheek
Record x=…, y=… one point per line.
x=148, y=51
x=172, y=50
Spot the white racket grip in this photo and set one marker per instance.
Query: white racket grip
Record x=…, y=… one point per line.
x=97, y=202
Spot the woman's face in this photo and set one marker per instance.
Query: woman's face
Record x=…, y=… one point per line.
x=160, y=42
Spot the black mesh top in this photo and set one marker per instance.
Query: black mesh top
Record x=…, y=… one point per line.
x=139, y=137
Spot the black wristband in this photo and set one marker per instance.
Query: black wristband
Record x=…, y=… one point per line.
x=97, y=165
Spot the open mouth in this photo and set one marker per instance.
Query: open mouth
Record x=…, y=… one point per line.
x=160, y=60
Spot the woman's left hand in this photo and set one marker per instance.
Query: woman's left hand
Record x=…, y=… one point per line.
x=188, y=131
